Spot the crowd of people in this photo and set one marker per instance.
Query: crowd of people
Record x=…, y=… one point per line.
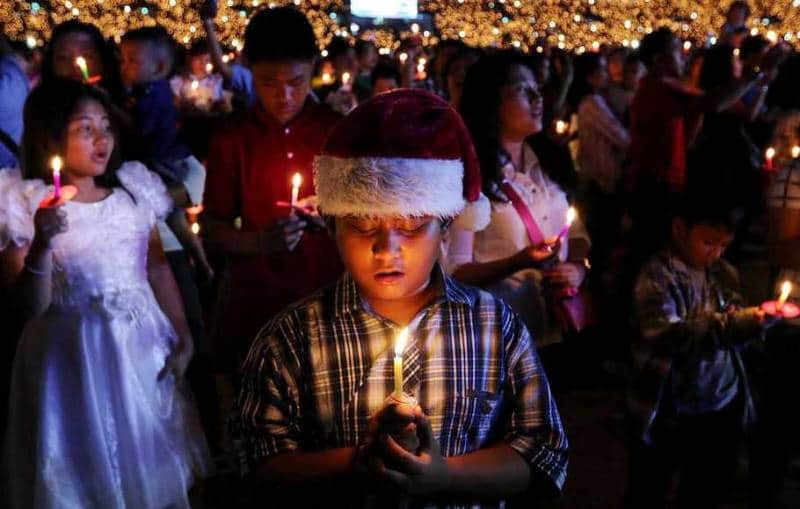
x=217, y=285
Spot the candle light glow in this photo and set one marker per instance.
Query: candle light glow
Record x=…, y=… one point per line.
x=399, y=347
x=770, y=155
x=56, y=164
x=786, y=289
x=81, y=63
x=795, y=151
x=297, y=181
x=561, y=127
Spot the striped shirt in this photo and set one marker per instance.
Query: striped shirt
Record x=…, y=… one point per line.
x=317, y=372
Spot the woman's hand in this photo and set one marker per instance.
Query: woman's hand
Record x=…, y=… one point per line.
x=48, y=223
x=178, y=359
x=565, y=274
x=535, y=256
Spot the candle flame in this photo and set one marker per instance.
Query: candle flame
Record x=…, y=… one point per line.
x=403, y=57
x=326, y=77
x=572, y=215
x=209, y=68
x=80, y=62
x=297, y=180
x=786, y=289
x=770, y=152
x=345, y=78
x=195, y=85
x=56, y=164
x=796, y=151
x=196, y=228
x=561, y=127
x=400, y=341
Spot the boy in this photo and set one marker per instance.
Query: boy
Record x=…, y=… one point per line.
x=392, y=176
x=277, y=256
x=690, y=399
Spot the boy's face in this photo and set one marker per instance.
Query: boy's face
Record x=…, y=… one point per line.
x=198, y=64
x=139, y=63
x=68, y=48
x=700, y=245
x=282, y=87
x=390, y=258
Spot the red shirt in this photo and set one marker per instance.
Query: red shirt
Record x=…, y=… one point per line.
x=250, y=165
x=664, y=118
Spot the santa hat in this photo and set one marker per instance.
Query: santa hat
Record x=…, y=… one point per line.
x=402, y=153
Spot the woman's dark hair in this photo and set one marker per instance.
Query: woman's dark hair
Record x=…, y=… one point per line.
x=112, y=81
x=47, y=113
x=717, y=67
x=480, y=105
x=282, y=33
x=585, y=65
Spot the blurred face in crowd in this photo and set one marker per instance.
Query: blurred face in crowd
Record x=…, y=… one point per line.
x=198, y=63
x=672, y=59
x=737, y=16
x=282, y=86
x=390, y=258
x=346, y=62
x=456, y=76
x=368, y=58
x=700, y=245
x=598, y=79
x=634, y=72
x=89, y=141
x=140, y=63
x=520, y=113
x=616, y=64
x=382, y=85
x=71, y=46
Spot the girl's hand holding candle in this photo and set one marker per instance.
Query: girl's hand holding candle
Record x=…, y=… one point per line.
x=781, y=307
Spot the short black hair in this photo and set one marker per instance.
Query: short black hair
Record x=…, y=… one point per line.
x=282, y=33
x=363, y=45
x=338, y=47
x=385, y=70
x=654, y=44
x=740, y=4
x=709, y=209
x=198, y=47
x=161, y=43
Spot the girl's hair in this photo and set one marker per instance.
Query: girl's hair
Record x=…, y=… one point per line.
x=48, y=110
x=585, y=66
x=480, y=105
x=717, y=67
x=111, y=79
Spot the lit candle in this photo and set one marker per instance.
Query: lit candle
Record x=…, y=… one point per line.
x=326, y=77
x=56, y=164
x=297, y=180
x=572, y=214
x=196, y=228
x=561, y=127
x=786, y=289
x=195, y=85
x=796, y=151
x=81, y=63
x=403, y=57
x=209, y=68
x=770, y=155
x=345, y=81
x=399, y=346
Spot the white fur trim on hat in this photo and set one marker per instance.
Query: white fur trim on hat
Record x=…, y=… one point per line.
x=385, y=186
x=476, y=215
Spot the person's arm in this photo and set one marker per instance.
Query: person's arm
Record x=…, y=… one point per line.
x=476, y=273
x=165, y=289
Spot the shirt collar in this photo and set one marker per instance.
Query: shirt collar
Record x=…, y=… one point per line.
x=347, y=297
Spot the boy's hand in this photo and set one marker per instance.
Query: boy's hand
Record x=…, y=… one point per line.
x=397, y=417
x=283, y=236
x=424, y=473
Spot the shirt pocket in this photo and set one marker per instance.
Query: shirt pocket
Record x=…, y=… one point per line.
x=464, y=423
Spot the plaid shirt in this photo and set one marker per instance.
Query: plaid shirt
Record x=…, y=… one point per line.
x=318, y=371
x=680, y=315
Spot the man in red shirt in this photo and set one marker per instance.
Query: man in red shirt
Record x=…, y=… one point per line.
x=277, y=256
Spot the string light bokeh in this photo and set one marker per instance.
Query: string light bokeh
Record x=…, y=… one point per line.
x=571, y=24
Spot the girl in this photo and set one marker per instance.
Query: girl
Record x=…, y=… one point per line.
x=98, y=414
x=502, y=108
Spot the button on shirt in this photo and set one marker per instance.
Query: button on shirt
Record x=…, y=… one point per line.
x=319, y=370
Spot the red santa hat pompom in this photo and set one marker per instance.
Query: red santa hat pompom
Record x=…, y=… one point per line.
x=402, y=153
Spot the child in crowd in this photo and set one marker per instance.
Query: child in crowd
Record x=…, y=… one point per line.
x=393, y=175
x=98, y=414
x=277, y=255
x=690, y=399
x=384, y=77
x=200, y=88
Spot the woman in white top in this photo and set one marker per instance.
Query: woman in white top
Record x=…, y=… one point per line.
x=502, y=107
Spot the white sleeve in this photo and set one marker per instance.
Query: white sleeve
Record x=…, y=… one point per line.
x=147, y=187
x=19, y=200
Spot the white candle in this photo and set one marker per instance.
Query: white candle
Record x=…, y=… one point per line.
x=403, y=57
x=81, y=63
x=56, y=164
x=561, y=127
x=399, y=346
x=770, y=155
x=786, y=289
x=209, y=68
x=346, y=81
x=796, y=151
x=297, y=180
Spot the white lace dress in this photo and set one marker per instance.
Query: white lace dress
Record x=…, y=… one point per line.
x=90, y=426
